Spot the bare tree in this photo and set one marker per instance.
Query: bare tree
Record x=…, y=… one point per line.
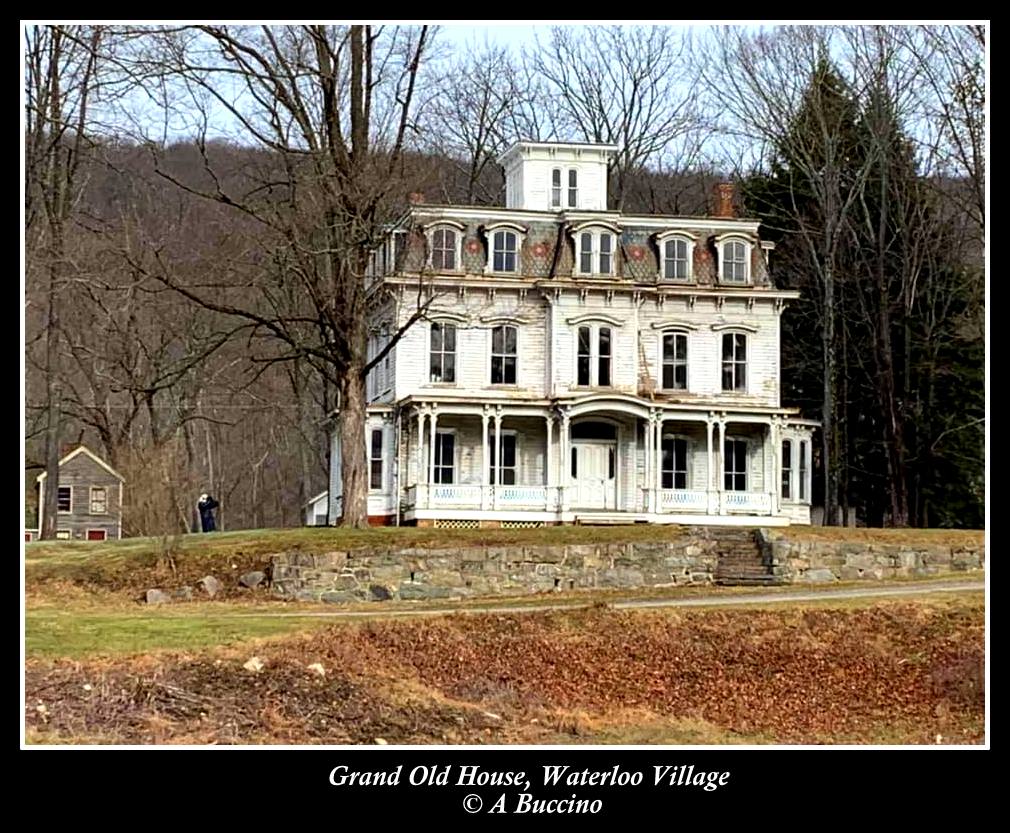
x=333, y=109
x=633, y=86
x=61, y=78
x=778, y=91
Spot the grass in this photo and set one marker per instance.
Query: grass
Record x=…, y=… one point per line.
x=73, y=635
x=74, y=632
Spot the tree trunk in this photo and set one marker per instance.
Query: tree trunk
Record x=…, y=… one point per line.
x=829, y=439
x=353, y=401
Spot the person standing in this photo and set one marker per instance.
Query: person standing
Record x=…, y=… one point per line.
x=206, y=505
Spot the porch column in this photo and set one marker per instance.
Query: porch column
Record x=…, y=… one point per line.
x=497, y=453
x=433, y=422
x=485, y=461
x=420, y=493
x=657, y=474
x=563, y=478
x=776, y=461
x=720, y=465
x=647, y=482
x=709, y=462
x=548, y=470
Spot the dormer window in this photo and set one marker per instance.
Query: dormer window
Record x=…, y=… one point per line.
x=505, y=242
x=594, y=250
x=444, y=244
x=676, y=256
x=505, y=245
x=734, y=259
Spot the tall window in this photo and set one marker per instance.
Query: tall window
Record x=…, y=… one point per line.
x=787, y=469
x=603, y=359
x=556, y=188
x=589, y=358
x=734, y=361
x=63, y=494
x=586, y=253
x=606, y=254
x=596, y=253
x=675, y=361
x=445, y=457
x=399, y=250
x=443, y=249
x=99, y=500
x=443, y=352
x=734, y=262
x=504, y=340
x=674, y=468
x=735, y=465
x=505, y=474
x=375, y=460
x=676, y=263
x=803, y=470
x=573, y=188
x=504, y=246
x=585, y=358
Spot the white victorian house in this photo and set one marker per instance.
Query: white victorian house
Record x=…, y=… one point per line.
x=577, y=364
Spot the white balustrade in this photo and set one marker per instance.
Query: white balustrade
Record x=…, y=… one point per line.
x=454, y=494
x=750, y=502
x=683, y=500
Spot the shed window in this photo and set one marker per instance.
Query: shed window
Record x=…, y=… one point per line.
x=99, y=500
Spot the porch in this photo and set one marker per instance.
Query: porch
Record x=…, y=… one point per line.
x=627, y=463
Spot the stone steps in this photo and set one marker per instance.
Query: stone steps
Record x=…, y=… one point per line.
x=740, y=560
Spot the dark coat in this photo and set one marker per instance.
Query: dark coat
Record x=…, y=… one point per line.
x=207, y=508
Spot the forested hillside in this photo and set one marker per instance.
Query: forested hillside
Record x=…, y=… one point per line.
x=194, y=253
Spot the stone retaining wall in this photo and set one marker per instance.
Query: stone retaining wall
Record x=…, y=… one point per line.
x=352, y=576
x=492, y=571
x=802, y=559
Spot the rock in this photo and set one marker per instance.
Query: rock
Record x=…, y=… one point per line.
x=211, y=586
x=183, y=594
x=336, y=597
x=253, y=579
x=317, y=668
x=157, y=597
x=820, y=575
x=255, y=664
x=380, y=593
x=381, y=742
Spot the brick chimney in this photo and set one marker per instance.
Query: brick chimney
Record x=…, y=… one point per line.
x=415, y=198
x=724, y=192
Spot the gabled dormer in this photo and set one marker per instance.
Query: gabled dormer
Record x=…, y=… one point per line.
x=552, y=176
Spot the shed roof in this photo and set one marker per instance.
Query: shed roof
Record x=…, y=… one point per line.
x=85, y=450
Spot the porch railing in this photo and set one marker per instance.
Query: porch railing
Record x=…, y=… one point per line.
x=760, y=502
x=453, y=494
x=674, y=500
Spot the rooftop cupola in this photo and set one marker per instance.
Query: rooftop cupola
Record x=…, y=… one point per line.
x=556, y=176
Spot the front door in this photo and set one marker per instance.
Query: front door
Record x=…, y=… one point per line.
x=594, y=475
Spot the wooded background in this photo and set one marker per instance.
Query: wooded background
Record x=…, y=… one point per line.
x=200, y=203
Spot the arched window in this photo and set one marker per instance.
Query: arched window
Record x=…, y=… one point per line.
x=676, y=256
x=442, y=357
x=504, y=355
x=674, y=360
x=734, y=259
x=445, y=240
x=734, y=362
x=504, y=246
x=595, y=249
